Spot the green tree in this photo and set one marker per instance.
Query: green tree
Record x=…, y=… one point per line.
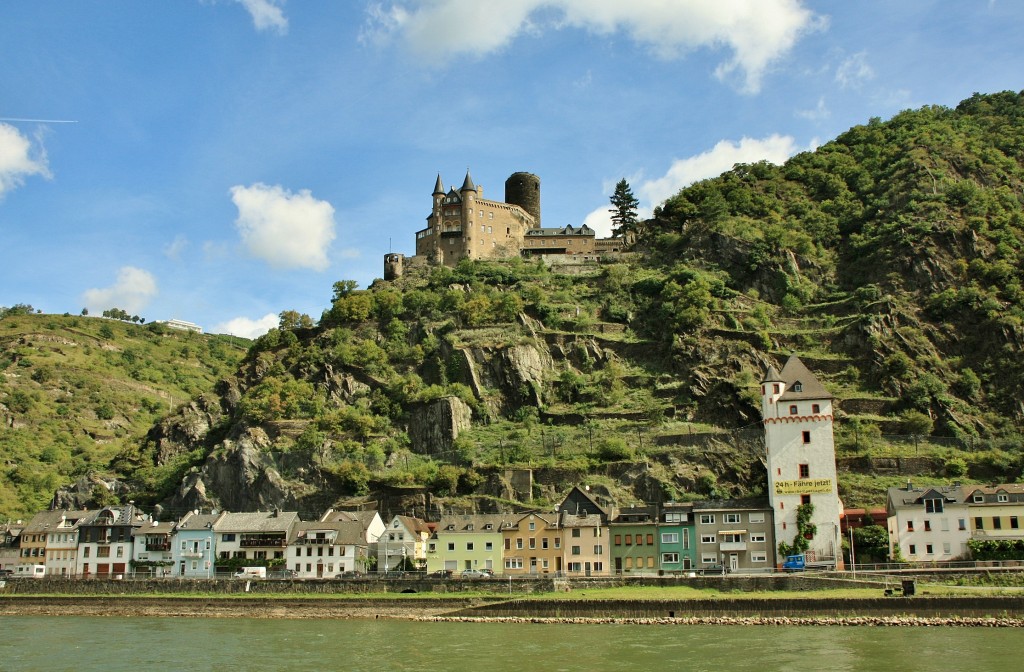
x=623, y=209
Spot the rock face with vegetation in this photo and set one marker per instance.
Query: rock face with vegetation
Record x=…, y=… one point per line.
x=889, y=259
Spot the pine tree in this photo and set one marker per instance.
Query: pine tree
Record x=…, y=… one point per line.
x=624, y=209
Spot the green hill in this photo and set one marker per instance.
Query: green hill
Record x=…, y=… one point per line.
x=75, y=391
x=889, y=259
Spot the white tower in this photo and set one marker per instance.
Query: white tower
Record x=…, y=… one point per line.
x=797, y=411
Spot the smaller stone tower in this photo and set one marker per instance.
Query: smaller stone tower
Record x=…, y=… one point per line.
x=393, y=265
x=523, y=189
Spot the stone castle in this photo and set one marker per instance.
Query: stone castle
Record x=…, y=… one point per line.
x=464, y=225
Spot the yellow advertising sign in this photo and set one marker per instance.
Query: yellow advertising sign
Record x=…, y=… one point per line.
x=807, y=486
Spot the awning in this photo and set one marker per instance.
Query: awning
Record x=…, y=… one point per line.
x=732, y=531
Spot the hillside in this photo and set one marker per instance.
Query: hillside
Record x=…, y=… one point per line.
x=889, y=259
x=75, y=391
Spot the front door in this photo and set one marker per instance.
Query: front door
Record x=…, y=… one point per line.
x=586, y=568
x=734, y=562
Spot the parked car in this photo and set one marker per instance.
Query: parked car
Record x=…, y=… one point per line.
x=477, y=574
x=349, y=575
x=714, y=569
x=6, y=573
x=284, y=574
x=441, y=574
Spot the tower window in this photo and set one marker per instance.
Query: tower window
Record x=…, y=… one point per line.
x=815, y=408
x=805, y=499
x=792, y=409
x=806, y=436
x=805, y=471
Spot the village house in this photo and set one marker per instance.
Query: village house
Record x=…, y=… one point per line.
x=152, y=552
x=258, y=538
x=468, y=542
x=735, y=534
x=194, y=547
x=318, y=550
x=995, y=512
x=403, y=545
x=676, y=547
x=532, y=544
x=634, y=541
x=105, y=542
x=928, y=523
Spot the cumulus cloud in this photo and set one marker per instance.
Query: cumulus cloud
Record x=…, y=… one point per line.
x=854, y=71
x=18, y=159
x=132, y=292
x=757, y=33
x=246, y=327
x=284, y=229
x=267, y=14
x=720, y=158
x=176, y=247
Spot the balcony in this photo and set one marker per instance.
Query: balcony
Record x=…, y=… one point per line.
x=158, y=545
x=192, y=554
x=733, y=546
x=452, y=233
x=314, y=541
x=263, y=542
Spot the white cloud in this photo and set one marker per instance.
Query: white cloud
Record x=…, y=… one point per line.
x=132, y=292
x=757, y=33
x=176, y=247
x=286, y=230
x=819, y=112
x=247, y=328
x=267, y=14
x=18, y=159
x=722, y=157
x=854, y=71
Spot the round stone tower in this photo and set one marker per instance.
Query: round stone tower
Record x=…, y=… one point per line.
x=523, y=189
x=393, y=265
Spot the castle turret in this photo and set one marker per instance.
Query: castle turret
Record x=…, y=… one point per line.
x=801, y=457
x=523, y=189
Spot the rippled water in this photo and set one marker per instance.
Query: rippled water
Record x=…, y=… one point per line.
x=113, y=644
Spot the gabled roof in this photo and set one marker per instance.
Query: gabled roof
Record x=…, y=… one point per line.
x=260, y=521
x=198, y=521
x=154, y=527
x=581, y=520
x=911, y=497
x=415, y=525
x=363, y=517
x=753, y=504
x=800, y=382
x=47, y=521
x=548, y=520
x=476, y=523
x=348, y=533
x=579, y=501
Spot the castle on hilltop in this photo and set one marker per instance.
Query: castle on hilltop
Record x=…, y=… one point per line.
x=464, y=225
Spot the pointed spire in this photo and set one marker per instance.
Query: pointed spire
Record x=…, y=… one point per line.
x=771, y=376
x=438, y=186
x=468, y=184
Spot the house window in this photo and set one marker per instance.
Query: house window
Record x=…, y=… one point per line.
x=629, y=540
x=451, y=545
x=513, y=563
x=910, y=526
x=946, y=548
x=978, y=498
x=1002, y=498
x=927, y=526
x=639, y=540
x=575, y=550
x=806, y=436
x=670, y=537
x=997, y=523
x=558, y=542
x=707, y=519
x=928, y=549
x=488, y=545
x=933, y=505
x=432, y=547
x=979, y=523
x=962, y=523
x=805, y=471
x=576, y=532
x=469, y=546
x=618, y=540
x=805, y=499
x=544, y=542
x=1014, y=525
x=669, y=558
x=732, y=517
x=707, y=538
x=227, y=537
x=709, y=559
x=792, y=409
x=533, y=526
x=756, y=517
x=757, y=537
x=913, y=549
x=533, y=543
x=686, y=538
x=798, y=387
x=759, y=557
x=519, y=543
x=598, y=549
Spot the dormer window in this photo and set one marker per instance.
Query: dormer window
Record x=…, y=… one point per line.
x=978, y=498
x=1002, y=498
x=798, y=387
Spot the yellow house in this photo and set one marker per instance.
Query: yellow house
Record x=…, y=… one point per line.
x=468, y=542
x=996, y=511
x=533, y=545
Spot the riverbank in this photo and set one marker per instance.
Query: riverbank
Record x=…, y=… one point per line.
x=910, y=612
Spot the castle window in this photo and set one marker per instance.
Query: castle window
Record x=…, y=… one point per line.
x=792, y=409
x=805, y=499
x=490, y=229
x=807, y=436
x=815, y=408
x=805, y=471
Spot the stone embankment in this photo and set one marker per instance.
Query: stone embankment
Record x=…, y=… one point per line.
x=875, y=621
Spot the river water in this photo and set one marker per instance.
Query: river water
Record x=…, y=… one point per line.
x=84, y=644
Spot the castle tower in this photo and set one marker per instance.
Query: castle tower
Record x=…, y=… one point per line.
x=468, y=193
x=394, y=264
x=438, y=196
x=523, y=189
x=797, y=412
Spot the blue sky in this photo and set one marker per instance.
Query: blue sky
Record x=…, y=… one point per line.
x=231, y=159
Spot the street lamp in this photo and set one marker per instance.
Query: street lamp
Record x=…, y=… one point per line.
x=209, y=557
